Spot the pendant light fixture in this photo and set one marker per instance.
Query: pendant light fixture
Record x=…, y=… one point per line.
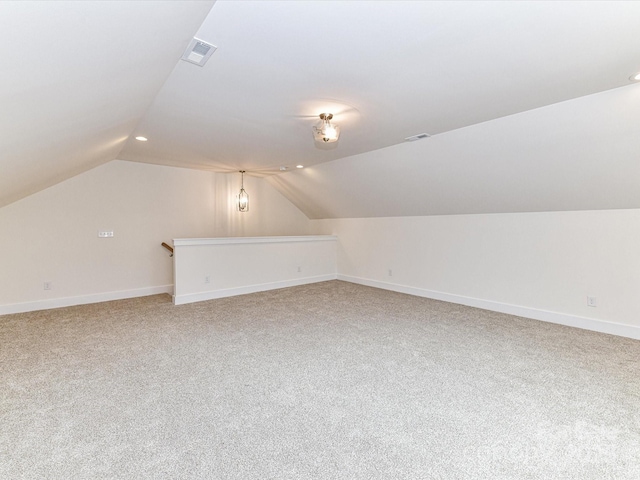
x=243, y=197
x=326, y=132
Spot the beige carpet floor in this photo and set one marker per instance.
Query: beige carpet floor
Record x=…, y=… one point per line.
x=325, y=381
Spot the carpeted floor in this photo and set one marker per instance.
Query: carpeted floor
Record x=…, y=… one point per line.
x=325, y=381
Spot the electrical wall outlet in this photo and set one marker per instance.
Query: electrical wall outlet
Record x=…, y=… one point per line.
x=48, y=285
x=591, y=302
x=299, y=268
x=207, y=278
x=390, y=273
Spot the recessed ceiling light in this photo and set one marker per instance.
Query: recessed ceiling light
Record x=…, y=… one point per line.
x=635, y=77
x=299, y=166
x=283, y=168
x=141, y=139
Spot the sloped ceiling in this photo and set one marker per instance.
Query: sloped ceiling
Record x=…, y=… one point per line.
x=582, y=154
x=519, y=97
x=76, y=79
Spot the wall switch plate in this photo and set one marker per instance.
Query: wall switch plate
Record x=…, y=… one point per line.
x=105, y=234
x=591, y=302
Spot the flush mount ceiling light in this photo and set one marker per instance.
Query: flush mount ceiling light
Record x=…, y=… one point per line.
x=299, y=166
x=141, y=139
x=635, y=77
x=243, y=197
x=326, y=132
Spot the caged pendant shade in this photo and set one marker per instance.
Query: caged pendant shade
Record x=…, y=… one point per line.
x=243, y=196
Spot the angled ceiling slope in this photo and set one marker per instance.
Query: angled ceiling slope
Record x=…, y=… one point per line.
x=385, y=69
x=77, y=77
x=582, y=154
x=80, y=79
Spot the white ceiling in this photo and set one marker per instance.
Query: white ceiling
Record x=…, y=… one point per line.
x=76, y=79
x=387, y=70
x=86, y=77
x=582, y=154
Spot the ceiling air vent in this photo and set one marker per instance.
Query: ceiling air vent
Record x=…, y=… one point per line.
x=420, y=136
x=198, y=52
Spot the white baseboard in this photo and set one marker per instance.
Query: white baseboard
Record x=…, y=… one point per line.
x=602, y=326
x=83, y=299
x=230, y=292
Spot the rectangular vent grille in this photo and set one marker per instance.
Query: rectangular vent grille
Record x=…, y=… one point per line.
x=420, y=136
x=201, y=48
x=198, y=52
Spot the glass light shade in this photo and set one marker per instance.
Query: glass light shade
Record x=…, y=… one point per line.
x=329, y=132
x=243, y=201
x=326, y=132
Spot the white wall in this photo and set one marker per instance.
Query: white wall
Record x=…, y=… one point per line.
x=538, y=265
x=541, y=265
x=270, y=213
x=52, y=235
x=207, y=268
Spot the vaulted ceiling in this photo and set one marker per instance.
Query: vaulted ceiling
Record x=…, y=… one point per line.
x=77, y=78
x=529, y=104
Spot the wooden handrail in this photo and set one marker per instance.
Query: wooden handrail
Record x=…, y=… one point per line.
x=168, y=247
